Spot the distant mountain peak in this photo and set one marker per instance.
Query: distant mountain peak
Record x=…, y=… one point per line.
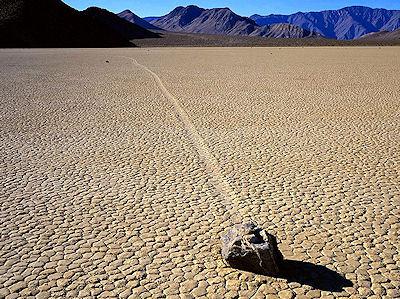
x=192, y=7
x=129, y=16
x=186, y=9
x=126, y=11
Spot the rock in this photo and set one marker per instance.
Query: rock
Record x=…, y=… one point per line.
x=250, y=248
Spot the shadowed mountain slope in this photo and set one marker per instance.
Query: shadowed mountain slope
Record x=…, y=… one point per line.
x=123, y=27
x=283, y=31
x=51, y=23
x=346, y=23
x=131, y=17
x=383, y=36
x=193, y=19
x=150, y=19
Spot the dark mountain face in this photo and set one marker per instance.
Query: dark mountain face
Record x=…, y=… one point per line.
x=151, y=19
x=121, y=26
x=51, y=23
x=193, y=19
x=346, y=23
x=131, y=17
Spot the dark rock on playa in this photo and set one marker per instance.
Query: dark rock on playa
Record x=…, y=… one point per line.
x=250, y=248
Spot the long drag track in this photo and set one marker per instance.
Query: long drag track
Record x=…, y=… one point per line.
x=222, y=185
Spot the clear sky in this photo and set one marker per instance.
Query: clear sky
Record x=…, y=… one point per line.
x=145, y=8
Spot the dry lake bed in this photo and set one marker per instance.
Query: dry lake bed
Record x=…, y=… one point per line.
x=121, y=169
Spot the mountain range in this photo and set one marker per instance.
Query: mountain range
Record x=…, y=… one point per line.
x=193, y=19
x=51, y=23
x=344, y=24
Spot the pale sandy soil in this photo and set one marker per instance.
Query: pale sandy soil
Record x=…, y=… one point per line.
x=115, y=181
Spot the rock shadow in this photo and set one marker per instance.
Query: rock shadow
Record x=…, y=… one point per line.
x=317, y=276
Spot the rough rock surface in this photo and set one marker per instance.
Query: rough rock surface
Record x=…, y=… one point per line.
x=250, y=248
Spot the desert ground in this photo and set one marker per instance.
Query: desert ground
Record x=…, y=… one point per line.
x=121, y=169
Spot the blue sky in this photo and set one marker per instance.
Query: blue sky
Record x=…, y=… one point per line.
x=146, y=8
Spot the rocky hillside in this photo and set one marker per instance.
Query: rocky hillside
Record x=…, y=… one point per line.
x=51, y=23
x=283, y=31
x=345, y=24
x=131, y=17
x=121, y=26
x=193, y=19
x=383, y=36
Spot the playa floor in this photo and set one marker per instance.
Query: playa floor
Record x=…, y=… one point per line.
x=121, y=169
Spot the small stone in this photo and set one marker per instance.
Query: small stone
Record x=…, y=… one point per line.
x=233, y=285
x=286, y=294
x=393, y=293
x=188, y=286
x=125, y=294
x=55, y=276
x=108, y=294
x=4, y=292
x=62, y=282
x=200, y=291
x=42, y=295
x=16, y=287
x=314, y=294
x=377, y=278
x=248, y=247
x=364, y=292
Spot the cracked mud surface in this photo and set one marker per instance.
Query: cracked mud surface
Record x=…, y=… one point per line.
x=104, y=193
